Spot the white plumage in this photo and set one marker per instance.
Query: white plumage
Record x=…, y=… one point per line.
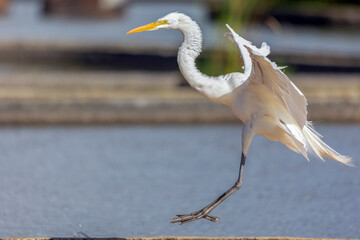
x=291, y=105
x=262, y=97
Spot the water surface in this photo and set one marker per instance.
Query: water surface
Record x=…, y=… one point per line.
x=107, y=181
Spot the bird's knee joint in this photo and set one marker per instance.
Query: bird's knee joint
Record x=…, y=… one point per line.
x=237, y=186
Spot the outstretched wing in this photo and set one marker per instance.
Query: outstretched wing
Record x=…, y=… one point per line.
x=260, y=70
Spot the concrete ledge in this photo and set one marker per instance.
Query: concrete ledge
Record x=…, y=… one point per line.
x=182, y=238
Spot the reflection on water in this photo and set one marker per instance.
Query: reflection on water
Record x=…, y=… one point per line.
x=108, y=181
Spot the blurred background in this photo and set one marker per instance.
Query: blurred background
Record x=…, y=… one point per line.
x=70, y=61
x=93, y=138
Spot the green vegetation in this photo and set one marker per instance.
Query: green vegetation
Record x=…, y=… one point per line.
x=237, y=14
x=240, y=13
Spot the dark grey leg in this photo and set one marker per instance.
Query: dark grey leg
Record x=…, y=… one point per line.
x=204, y=213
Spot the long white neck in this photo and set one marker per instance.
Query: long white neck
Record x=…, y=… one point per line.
x=212, y=87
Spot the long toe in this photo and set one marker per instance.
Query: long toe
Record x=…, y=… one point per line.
x=212, y=218
x=186, y=215
x=185, y=218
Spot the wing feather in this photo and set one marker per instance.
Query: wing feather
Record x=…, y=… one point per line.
x=263, y=71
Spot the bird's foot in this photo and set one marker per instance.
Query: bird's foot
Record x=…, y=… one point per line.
x=185, y=218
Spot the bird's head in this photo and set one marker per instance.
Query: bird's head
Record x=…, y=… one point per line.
x=173, y=20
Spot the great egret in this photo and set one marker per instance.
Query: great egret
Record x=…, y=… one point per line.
x=262, y=97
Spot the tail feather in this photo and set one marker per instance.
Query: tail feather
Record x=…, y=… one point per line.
x=319, y=148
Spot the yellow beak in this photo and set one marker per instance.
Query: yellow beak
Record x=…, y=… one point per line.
x=148, y=27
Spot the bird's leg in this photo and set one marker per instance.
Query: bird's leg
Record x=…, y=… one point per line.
x=247, y=136
x=204, y=212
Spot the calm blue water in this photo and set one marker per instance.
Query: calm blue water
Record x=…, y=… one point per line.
x=118, y=181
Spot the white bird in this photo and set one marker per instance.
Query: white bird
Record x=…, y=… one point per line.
x=262, y=97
